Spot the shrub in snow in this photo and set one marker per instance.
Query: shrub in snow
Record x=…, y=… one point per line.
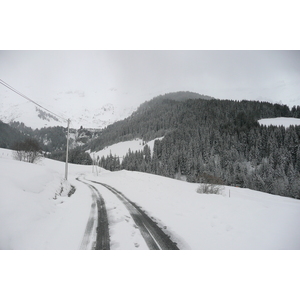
x=29, y=151
x=209, y=188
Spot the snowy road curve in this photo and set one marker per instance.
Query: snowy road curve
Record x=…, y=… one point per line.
x=154, y=236
x=102, y=240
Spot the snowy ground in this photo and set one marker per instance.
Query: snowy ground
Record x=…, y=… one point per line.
x=286, y=122
x=245, y=220
x=121, y=149
x=36, y=213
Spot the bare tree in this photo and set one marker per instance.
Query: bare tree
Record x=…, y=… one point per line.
x=29, y=151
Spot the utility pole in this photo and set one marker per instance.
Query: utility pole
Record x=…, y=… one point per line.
x=96, y=165
x=93, y=163
x=67, y=153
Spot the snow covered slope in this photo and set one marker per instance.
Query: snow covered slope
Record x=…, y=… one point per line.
x=36, y=213
x=286, y=122
x=244, y=220
x=75, y=106
x=122, y=148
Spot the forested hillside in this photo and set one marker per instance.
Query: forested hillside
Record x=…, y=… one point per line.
x=52, y=140
x=157, y=117
x=9, y=136
x=49, y=138
x=212, y=140
x=205, y=140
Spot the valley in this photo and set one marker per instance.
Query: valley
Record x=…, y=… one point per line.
x=138, y=183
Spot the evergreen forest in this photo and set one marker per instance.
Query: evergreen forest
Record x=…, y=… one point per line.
x=214, y=141
x=51, y=141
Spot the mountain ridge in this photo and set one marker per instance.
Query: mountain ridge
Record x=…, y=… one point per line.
x=95, y=116
x=77, y=110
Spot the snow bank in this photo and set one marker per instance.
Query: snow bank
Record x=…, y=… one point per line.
x=286, y=122
x=35, y=210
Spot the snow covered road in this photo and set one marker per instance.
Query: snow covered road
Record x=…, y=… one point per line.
x=154, y=236
x=96, y=235
x=139, y=225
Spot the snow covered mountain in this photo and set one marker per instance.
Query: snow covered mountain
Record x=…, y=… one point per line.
x=89, y=110
x=75, y=106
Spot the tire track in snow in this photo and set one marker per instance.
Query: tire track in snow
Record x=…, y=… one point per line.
x=102, y=240
x=154, y=236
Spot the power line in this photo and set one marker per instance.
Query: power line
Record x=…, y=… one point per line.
x=27, y=98
x=68, y=128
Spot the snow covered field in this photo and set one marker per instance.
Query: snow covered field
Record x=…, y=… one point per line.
x=36, y=212
x=286, y=122
x=121, y=149
x=245, y=220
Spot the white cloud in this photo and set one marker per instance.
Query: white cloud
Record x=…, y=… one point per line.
x=136, y=76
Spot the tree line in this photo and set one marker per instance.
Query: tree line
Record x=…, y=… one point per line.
x=217, y=141
x=157, y=117
x=30, y=145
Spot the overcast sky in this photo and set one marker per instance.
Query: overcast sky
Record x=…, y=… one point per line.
x=132, y=77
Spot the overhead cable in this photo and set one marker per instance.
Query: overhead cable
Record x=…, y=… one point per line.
x=22, y=95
